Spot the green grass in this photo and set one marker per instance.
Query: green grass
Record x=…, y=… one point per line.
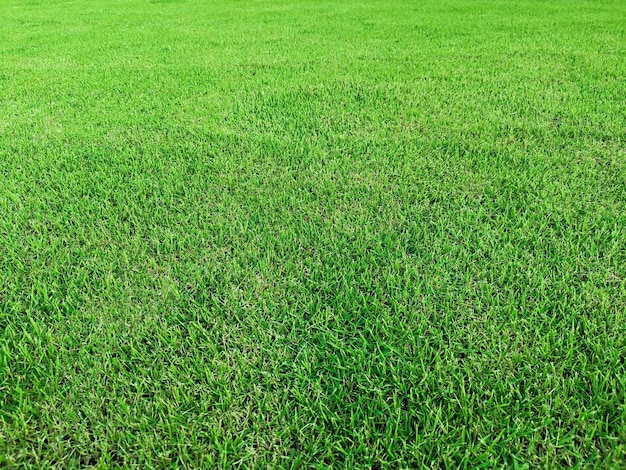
x=373, y=234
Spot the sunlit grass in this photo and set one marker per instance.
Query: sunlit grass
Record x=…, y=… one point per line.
x=279, y=234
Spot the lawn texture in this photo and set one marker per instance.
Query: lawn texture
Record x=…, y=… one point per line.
x=299, y=234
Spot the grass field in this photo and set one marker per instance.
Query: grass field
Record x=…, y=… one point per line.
x=371, y=234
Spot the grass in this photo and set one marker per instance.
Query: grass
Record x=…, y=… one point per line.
x=365, y=234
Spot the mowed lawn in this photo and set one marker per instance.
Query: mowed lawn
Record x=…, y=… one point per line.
x=311, y=233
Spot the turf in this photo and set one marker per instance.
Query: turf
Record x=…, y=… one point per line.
x=363, y=234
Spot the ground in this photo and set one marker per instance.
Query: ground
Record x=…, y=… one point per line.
x=371, y=234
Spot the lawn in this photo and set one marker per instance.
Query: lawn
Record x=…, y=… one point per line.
x=312, y=233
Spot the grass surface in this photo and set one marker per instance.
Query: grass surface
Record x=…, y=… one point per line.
x=349, y=234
